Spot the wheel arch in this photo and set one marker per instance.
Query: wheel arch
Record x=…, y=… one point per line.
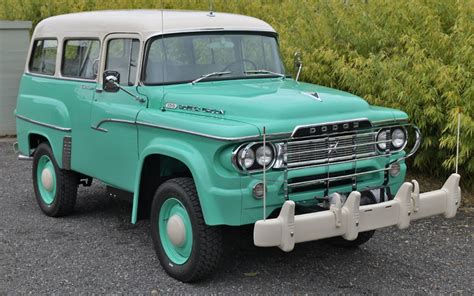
x=179, y=159
x=35, y=139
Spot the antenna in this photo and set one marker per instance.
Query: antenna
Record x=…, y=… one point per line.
x=264, y=174
x=211, y=9
x=457, y=141
x=164, y=48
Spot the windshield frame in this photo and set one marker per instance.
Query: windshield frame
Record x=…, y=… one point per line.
x=150, y=40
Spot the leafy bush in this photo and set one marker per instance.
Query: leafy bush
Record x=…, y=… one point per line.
x=414, y=55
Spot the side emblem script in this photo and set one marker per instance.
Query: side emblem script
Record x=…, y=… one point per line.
x=171, y=106
x=194, y=108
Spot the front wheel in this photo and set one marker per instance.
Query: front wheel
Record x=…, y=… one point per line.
x=187, y=248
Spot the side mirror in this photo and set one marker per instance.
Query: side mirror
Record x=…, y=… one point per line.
x=298, y=63
x=111, y=81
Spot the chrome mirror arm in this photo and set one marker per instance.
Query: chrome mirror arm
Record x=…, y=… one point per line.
x=137, y=98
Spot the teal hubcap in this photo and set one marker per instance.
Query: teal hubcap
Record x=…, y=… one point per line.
x=46, y=179
x=175, y=229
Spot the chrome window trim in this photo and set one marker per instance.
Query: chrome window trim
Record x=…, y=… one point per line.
x=32, y=50
x=61, y=77
x=63, y=47
x=52, y=126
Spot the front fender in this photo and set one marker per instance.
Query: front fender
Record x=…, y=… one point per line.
x=216, y=202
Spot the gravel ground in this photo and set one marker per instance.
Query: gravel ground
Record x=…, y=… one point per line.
x=97, y=250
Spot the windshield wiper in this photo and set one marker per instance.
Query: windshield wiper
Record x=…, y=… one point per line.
x=210, y=75
x=262, y=71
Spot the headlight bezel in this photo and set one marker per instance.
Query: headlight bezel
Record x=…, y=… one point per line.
x=237, y=157
x=390, y=141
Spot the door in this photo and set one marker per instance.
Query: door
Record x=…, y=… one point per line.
x=113, y=114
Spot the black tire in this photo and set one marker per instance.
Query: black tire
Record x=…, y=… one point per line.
x=362, y=237
x=65, y=186
x=207, y=242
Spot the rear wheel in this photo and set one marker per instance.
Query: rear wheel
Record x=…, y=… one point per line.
x=55, y=189
x=187, y=248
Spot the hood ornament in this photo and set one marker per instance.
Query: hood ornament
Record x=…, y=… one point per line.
x=313, y=95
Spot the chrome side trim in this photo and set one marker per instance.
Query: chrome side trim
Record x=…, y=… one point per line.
x=24, y=157
x=98, y=128
x=391, y=121
x=226, y=139
x=152, y=125
x=59, y=128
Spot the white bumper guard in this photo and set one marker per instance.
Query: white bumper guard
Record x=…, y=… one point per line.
x=349, y=219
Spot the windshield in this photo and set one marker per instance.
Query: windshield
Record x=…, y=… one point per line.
x=184, y=58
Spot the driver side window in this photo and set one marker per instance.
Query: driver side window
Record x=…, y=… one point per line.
x=122, y=56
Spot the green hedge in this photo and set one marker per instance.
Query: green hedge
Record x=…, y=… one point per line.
x=414, y=55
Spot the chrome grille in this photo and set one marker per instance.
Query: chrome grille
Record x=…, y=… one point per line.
x=330, y=149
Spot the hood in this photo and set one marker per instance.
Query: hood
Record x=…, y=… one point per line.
x=279, y=105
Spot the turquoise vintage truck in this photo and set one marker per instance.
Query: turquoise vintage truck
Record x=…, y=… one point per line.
x=194, y=119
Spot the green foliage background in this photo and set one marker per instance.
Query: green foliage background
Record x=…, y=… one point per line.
x=413, y=55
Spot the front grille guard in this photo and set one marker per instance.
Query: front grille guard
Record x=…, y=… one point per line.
x=354, y=159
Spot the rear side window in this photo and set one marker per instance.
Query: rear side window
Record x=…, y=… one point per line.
x=81, y=58
x=43, y=57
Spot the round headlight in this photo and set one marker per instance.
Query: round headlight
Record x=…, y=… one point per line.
x=264, y=155
x=382, y=139
x=246, y=158
x=398, y=138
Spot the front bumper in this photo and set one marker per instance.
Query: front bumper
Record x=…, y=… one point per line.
x=349, y=219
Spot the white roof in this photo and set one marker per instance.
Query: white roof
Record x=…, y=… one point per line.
x=145, y=22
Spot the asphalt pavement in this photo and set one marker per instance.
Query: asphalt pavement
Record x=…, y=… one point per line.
x=97, y=250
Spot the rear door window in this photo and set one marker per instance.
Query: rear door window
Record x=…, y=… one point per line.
x=43, y=57
x=81, y=58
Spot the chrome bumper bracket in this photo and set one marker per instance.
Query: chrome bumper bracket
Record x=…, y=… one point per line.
x=24, y=157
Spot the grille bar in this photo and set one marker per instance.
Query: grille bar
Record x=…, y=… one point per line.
x=330, y=149
x=323, y=180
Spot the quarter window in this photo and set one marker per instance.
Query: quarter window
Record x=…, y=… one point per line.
x=81, y=59
x=122, y=56
x=43, y=58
